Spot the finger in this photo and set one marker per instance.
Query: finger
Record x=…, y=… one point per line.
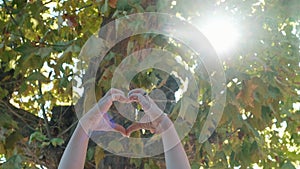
x=121, y=129
x=144, y=101
x=145, y=119
x=137, y=91
x=138, y=126
x=112, y=126
x=132, y=128
x=120, y=98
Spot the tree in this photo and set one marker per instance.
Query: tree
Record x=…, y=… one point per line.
x=41, y=40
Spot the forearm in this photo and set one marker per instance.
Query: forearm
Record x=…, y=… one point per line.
x=175, y=156
x=74, y=154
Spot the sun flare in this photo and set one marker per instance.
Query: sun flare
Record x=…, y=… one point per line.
x=221, y=33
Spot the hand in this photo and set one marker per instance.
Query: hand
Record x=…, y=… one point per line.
x=153, y=117
x=97, y=117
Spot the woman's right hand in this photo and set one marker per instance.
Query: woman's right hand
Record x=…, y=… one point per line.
x=153, y=117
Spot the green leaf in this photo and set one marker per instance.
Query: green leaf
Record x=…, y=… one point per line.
x=195, y=166
x=12, y=139
x=92, y=48
x=288, y=165
x=37, y=136
x=44, y=52
x=3, y=93
x=123, y=5
x=147, y=166
x=14, y=162
x=116, y=146
x=105, y=8
x=57, y=142
x=37, y=76
x=90, y=153
x=208, y=148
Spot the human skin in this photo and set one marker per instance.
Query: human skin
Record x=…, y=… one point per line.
x=96, y=119
x=175, y=155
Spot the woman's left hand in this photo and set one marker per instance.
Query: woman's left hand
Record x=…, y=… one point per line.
x=97, y=119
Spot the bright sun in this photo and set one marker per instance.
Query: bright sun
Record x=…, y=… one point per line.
x=222, y=34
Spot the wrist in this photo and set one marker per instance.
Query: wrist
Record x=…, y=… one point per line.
x=90, y=120
x=163, y=123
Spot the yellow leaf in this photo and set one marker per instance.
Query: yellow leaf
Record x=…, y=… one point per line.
x=246, y=94
x=99, y=155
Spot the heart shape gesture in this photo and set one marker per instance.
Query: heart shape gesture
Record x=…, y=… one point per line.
x=153, y=114
x=96, y=119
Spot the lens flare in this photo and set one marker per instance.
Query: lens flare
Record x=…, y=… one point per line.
x=222, y=33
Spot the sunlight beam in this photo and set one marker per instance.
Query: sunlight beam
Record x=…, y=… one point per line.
x=222, y=34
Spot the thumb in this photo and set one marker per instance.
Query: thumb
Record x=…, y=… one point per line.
x=138, y=126
x=132, y=128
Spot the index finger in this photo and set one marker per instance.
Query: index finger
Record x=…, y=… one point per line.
x=137, y=91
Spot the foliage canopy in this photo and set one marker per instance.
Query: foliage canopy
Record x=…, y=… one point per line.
x=40, y=41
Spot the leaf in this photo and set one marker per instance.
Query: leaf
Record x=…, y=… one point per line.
x=2, y=148
x=195, y=165
x=90, y=153
x=57, y=142
x=274, y=92
x=147, y=166
x=116, y=146
x=23, y=87
x=44, y=52
x=189, y=106
x=99, y=155
x=37, y=136
x=6, y=121
x=254, y=151
x=123, y=5
x=45, y=144
x=3, y=93
x=26, y=49
x=113, y=3
x=92, y=48
x=14, y=162
x=246, y=94
x=105, y=8
x=288, y=165
x=256, y=110
x=37, y=76
x=12, y=139
x=208, y=148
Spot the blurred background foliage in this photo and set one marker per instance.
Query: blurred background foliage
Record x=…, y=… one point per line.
x=41, y=40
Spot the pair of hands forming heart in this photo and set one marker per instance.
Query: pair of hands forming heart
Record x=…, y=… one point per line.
x=97, y=118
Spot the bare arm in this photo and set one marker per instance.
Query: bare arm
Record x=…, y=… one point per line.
x=95, y=119
x=175, y=155
x=74, y=155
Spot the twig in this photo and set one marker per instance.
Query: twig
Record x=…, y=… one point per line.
x=66, y=130
x=86, y=6
x=47, y=2
x=44, y=112
x=16, y=114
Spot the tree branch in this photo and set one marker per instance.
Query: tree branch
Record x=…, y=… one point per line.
x=16, y=114
x=44, y=113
